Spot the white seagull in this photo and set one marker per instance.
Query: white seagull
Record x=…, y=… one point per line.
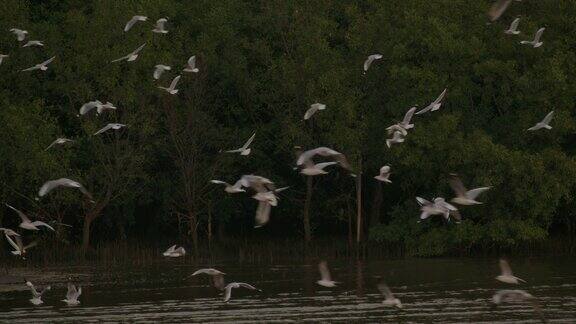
x=536, y=42
x=325, y=277
x=434, y=105
x=384, y=174
x=132, y=56
x=114, y=126
x=397, y=128
x=34, y=43
x=160, y=26
x=236, y=188
x=107, y=106
x=405, y=123
x=159, y=70
x=370, y=59
x=389, y=299
x=72, y=295
x=216, y=275
x=59, y=141
x=134, y=20
x=464, y=196
x=244, y=150
x=36, y=296
x=439, y=206
x=26, y=223
x=42, y=66
x=2, y=57
x=230, y=286
x=266, y=200
x=20, y=34
x=313, y=109
x=19, y=247
x=507, y=276
x=191, y=65
x=62, y=182
x=174, y=252
x=544, y=123
x=323, y=151
x=513, y=30
x=172, y=88
x=396, y=138
x=311, y=169
x=87, y=107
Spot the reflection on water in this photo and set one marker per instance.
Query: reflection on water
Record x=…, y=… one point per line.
x=432, y=290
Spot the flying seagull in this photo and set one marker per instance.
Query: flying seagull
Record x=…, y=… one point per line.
x=114, y=126
x=266, y=200
x=59, y=141
x=172, y=88
x=191, y=65
x=159, y=70
x=325, y=277
x=464, y=196
x=397, y=128
x=536, y=42
x=370, y=59
x=544, y=123
x=2, y=57
x=26, y=223
x=313, y=109
x=438, y=206
x=230, y=286
x=42, y=66
x=498, y=9
x=325, y=152
x=513, y=30
x=396, y=138
x=36, y=296
x=311, y=169
x=72, y=295
x=174, y=252
x=133, y=21
x=19, y=247
x=518, y=296
x=132, y=56
x=87, y=107
x=389, y=299
x=435, y=105
x=62, y=182
x=384, y=174
x=216, y=275
x=507, y=276
x=244, y=150
x=405, y=123
x=34, y=43
x=160, y=26
x=236, y=188
x=20, y=34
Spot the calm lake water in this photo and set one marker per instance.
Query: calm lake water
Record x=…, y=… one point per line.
x=432, y=290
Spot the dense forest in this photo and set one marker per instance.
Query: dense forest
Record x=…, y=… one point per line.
x=261, y=65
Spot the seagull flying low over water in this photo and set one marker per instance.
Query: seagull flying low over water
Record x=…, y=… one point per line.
x=19, y=247
x=389, y=299
x=536, y=42
x=384, y=174
x=191, y=65
x=62, y=182
x=507, y=276
x=325, y=277
x=513, y=30
x=34, y=43
x=2, y=57
x=160, y=26
x=132, y=56
x=216, y=275
x=59, y=141
x=230, y=286
x=396, y=138
x=463, y=196
x=20, y=34
x=244, y=150
x=313, y=109
x=434, y=105
x=36, y=296
x=133, y=21
x=114, y=126
x=42, y=66
x=544, y=123
x=174, y=252
x=159, y=70
x=518, y=296
x=172, y=88
x=439, y=206
x=370, y=60
x=236, y=188
x=72, y=295
x=27, y=223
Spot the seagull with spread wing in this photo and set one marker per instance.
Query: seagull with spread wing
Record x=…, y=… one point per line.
x=191, y=65
x=434, y=105
x=513, y=30
x=172, y=88
x=27, y=223
x=384, y=175
x=72, y=295
x=159, y=70
x=133, y=21
x=370, y=59
x=230, y=286
x=464, y=196
x=325, y=277
x=19, y=247
x=36, y=296
x=62, y=182
x=59, y=141
x=216, y=275
x=506, y=275
x=307, y=157
x=389, y=299
x=114, y=126
x=42, y=66
x=544, y=124
x=536, y=41
x=174, y=252
x=245, y=149
x=132, y=56
x=160, y=26
x=313, y=109
x=20, y=34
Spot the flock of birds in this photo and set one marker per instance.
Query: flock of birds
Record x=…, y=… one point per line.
x=310, y=163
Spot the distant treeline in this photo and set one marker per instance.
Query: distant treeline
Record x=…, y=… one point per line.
x=261, y=65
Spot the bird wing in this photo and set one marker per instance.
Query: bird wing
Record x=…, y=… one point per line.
x=121, y=59
x=131, y=23
x=505, y=268
x=262, y=213
x=171, y=249
x=539, y=34
x=105, y=128
x=441, y=97
x=35, y=67
x=324, y=272
x=48, y=61
x=228, y=292
x=219, y=182
x=498, y=9
x=514, y=24
x=408, y=115
x=158, y=70
x=548, y=118
x=422, y=201
x=192, y=61
x=71, y=294
x=385, y=169
x=33, y=289
x=14, y=245
x=457, y=185
x=472, y=194
x=248, y=286
x=51, y=145
x=21, y=214
x=385, y=291
x=88, y=106
x=311, y=111
x=424, y=110
x=174, y=82
x=249, y=141
x=39, y=223
x=321, y=166
x=138, y=49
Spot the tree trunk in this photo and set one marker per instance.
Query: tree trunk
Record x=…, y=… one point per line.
x=375, y=215
x=193, y=231
x=359, y=207
x=307, y=230
x=86, y=232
